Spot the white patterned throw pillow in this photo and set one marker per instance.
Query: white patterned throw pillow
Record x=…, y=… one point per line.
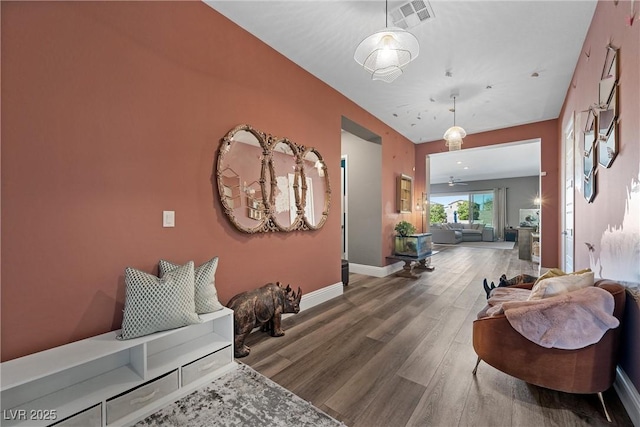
x=154, y=304
x=206, y=295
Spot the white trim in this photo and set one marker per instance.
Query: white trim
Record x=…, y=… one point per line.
x=344, y=203
x=374, y=271
x=628, y=395
x=314, y=298
x=321, y=295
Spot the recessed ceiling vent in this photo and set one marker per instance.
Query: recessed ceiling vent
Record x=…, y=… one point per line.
x=411, y=14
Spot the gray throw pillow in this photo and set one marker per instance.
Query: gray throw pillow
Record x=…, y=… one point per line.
x=155, y=304
x=206, y=295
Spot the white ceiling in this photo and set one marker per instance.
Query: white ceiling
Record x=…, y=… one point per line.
x=494, y=162
x=481, y=44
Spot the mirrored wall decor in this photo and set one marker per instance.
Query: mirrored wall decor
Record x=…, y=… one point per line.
x=589, y=187
x=610, y=67
x=589, y=141
x=315, y=189
x=284, y=163
x=271, y=184
x=608, y=109
x=241, y=178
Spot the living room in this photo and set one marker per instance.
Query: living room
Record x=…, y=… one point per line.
x=495, y=186
x=113, y=112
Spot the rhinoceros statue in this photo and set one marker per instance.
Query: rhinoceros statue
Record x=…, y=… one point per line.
x=262, y=307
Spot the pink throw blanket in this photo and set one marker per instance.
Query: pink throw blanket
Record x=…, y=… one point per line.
x=567, y=321
x=501, y=295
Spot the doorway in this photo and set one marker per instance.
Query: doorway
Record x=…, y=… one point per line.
x=361, y=166
x=503, y=178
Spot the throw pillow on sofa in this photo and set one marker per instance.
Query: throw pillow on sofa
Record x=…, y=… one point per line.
x=154, y=304
x=561, y=284
x=206, y=294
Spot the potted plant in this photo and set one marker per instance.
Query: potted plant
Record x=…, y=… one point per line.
x=404, y=228
x=405, y=245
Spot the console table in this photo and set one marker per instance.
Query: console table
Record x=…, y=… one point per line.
x=413, y=263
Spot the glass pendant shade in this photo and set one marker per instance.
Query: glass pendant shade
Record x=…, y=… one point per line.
x=454, y=133
x=385, y=53
x=454, y=144
x=453, y=136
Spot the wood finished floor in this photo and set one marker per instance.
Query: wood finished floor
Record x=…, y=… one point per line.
x=397, y=352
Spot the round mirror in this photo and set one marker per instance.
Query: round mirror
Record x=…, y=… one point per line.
x=316, y=194
x=241, y=178
x=285, y=196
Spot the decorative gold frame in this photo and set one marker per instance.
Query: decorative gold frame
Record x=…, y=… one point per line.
x=321, y=170
x=239, y=214
x=269, y=209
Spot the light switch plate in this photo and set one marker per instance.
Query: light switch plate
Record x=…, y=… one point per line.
x=168, y=218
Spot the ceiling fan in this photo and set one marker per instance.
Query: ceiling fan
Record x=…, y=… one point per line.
x=453, y=182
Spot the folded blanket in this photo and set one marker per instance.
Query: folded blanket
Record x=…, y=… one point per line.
x=568, y=321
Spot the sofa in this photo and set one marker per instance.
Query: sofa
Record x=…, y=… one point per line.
x=455, y=232
x=591, y=369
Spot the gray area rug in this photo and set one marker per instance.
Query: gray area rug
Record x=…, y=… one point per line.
x=242, y=397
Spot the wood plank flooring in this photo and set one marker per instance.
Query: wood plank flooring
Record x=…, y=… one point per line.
x=397, y=352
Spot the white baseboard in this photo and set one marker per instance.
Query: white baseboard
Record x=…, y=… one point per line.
x=374, y=271
x=321, y=295
x=628, y=395
x=316, y=297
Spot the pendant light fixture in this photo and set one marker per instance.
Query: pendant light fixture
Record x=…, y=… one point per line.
x=385, y=53
x=453, y=136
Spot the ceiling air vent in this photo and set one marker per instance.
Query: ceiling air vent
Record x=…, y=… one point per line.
x=411, y=14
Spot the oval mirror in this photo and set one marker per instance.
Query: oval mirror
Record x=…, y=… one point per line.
x=316, y=193
x=241, y=178
x=285, y=196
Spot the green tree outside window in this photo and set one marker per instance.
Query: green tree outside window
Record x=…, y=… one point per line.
x=437, y=214
x=463, y=211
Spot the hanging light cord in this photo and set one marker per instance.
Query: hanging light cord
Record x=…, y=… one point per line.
x=386, y=14
x=454, y=110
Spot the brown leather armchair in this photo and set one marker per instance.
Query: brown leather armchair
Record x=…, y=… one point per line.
x=591, y=369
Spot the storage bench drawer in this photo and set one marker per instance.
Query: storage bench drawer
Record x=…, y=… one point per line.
x=138, y=398
x=91, y=417
x=201, y=367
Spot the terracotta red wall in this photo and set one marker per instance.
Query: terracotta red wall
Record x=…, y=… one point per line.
x=111, y=113
x=397, y=159
x=547, y=131
x=612, y=222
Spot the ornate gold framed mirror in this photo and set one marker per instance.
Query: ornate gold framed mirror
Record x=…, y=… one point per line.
x=241, y=178
x=284, y=163
x=316, y=193
x=271, y=184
